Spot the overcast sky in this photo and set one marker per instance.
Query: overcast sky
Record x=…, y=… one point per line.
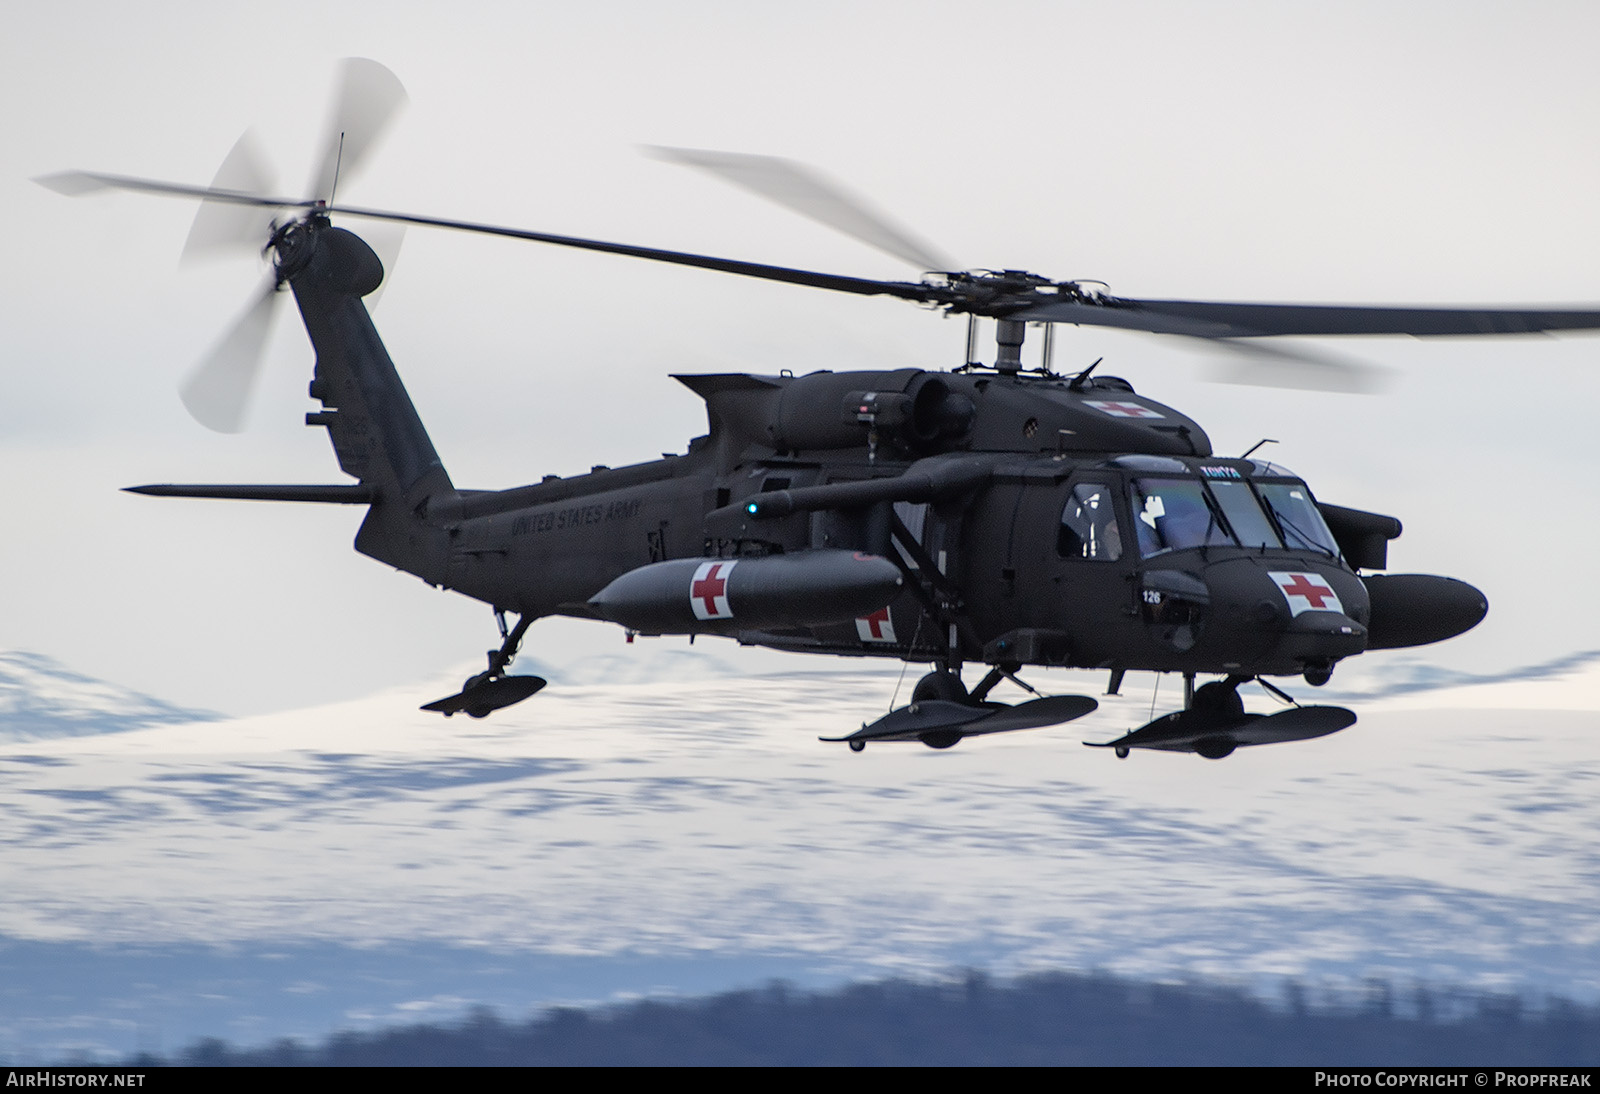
x=1424, y=152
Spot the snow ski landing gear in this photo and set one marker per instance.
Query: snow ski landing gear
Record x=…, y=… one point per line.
x=1215, y=723
x=487, y=692
x=941, y=712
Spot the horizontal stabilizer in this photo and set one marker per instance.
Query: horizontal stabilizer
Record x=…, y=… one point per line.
x=355, y=494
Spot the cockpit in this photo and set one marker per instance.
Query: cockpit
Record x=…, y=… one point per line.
x=1174, y=504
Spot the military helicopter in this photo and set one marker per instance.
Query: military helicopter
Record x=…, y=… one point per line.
x=994, y=514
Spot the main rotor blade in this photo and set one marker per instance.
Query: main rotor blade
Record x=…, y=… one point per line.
x=1207, y=319
x=367, y=100
x=221, y=226
x=906, y=290
x=75, y=183
x=1196, y=318
x=1270, y=364
x=78, y=183
x=802, y=189
x=218, y=391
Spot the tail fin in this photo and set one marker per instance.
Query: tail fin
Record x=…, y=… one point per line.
x=376, y=433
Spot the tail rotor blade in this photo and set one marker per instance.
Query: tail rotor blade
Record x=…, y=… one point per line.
x=385, y=239
x=218, y=391
x=802, y=190
x=367, y=99
x=224, y=227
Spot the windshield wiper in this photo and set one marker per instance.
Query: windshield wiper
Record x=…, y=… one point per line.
x=1285, y=524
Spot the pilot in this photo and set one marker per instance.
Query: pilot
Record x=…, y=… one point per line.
x=1172, y=519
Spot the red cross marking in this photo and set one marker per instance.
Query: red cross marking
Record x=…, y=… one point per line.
x=709, y=588
x=876, y=620
x=1314, y=594
x=1123, y=410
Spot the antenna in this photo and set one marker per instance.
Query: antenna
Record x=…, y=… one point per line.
x=1082, y=378
x=337, y=160
x=1258, y=444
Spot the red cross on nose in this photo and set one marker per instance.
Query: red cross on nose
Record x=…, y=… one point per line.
x=1315, y=594
x=709, y=588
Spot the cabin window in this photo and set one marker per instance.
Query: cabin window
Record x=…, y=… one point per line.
x=1089, y=525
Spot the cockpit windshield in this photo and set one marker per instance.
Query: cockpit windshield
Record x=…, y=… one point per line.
x=1171, y=514
x=1303, y=527
x=1250, y=525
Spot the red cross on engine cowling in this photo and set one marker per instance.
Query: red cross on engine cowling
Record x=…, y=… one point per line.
x=1118, y=409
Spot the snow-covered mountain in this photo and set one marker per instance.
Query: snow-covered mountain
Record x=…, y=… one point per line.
x=365, y=862
x=40, y=697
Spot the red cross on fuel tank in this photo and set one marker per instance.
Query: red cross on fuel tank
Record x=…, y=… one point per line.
x=708, y=592
x=877, y=627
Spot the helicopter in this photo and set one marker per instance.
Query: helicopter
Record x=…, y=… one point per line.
x=995, y=514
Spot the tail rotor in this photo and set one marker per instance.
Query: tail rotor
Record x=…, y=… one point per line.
x=218, y=390
x=237, y=213
x=367, y=98
x=224, y=229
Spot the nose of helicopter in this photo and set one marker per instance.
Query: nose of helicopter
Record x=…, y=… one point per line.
x=1299, y=615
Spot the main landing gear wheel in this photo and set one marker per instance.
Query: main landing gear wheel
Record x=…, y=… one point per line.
x=472, y=682
x=940, y=684
x=944, y=685
x=1220, y=700
x=1221, y=697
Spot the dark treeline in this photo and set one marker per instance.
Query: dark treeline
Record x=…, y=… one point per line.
x=1055, y=1018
